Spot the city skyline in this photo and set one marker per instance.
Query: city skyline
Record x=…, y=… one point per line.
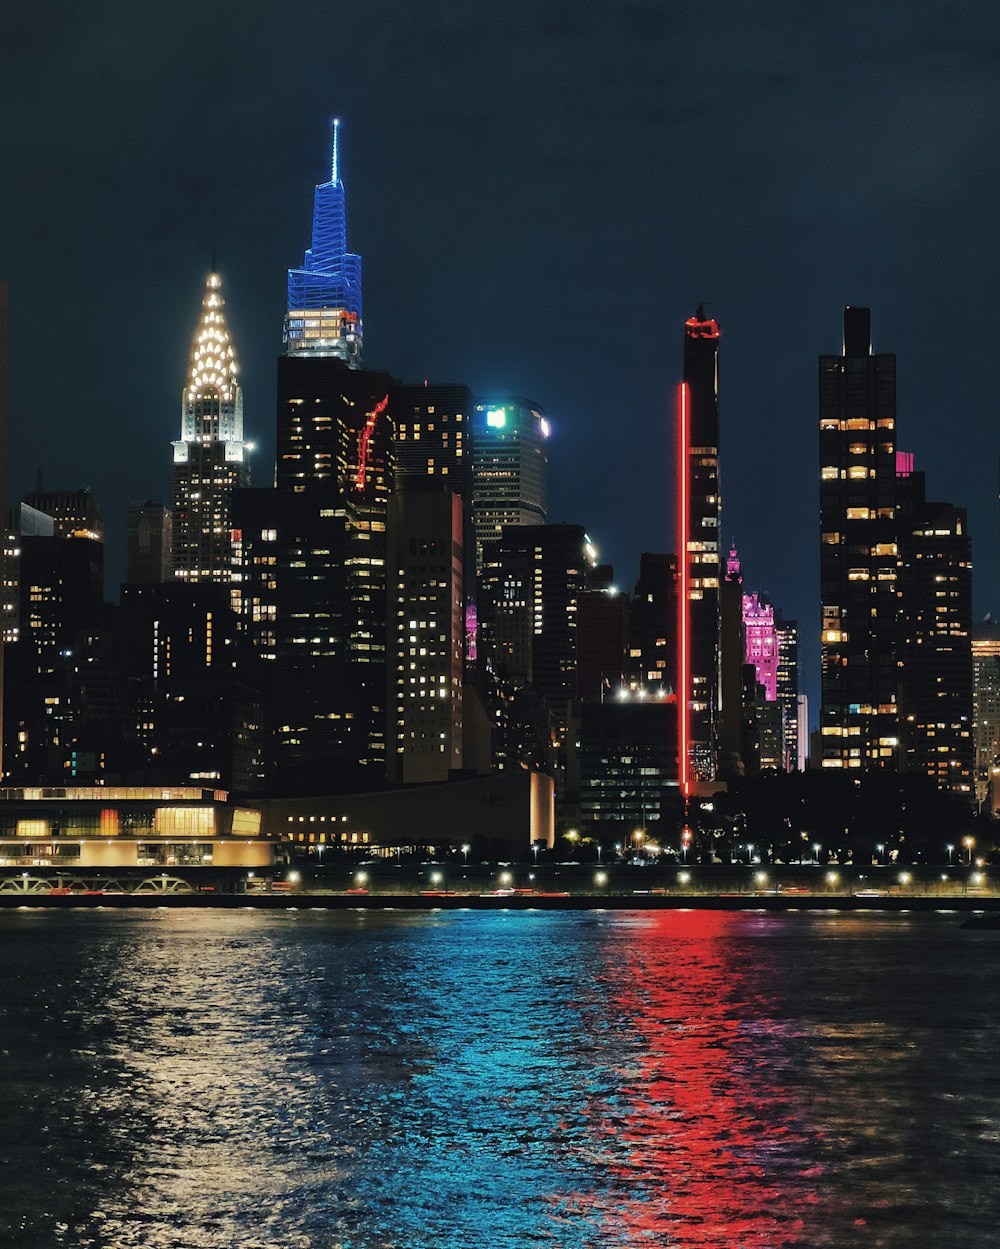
x=473, y=223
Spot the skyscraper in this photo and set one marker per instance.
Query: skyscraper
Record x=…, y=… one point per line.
x=334, y=477
x=986, y=703
x=795, y=742
x=540, y=572
x=210, y=457
x=509, y=469
x=858, y=551
x=426, y=633
x=935, y=648
x=324, y=295
x=652, y=660
x=700, y=568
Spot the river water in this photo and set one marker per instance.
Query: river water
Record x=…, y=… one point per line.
x=366, y=1080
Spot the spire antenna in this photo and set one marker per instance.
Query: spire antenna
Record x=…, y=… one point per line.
x=335, y=154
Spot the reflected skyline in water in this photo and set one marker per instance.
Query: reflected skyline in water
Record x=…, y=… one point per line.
x=450, y=1080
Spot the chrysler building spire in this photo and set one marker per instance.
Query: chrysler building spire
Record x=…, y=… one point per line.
x=210, y=457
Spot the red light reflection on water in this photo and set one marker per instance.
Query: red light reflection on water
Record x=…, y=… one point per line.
x=704, y=1130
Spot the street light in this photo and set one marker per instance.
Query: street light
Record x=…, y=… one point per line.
x=361, y=878
x=968, y=843
x=951, y=851
x=600, y=878
x=880, y=850
x=436, y=878
x=816, y=849
x=465, y=851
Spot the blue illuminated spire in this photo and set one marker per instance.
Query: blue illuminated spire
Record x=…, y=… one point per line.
x=324, y=296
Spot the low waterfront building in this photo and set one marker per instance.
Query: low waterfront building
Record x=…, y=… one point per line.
x=106, y=828
x=515, y=808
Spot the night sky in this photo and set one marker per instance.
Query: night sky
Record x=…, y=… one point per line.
x=540, y=193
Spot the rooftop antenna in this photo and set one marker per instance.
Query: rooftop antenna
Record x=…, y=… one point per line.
x=333, y=162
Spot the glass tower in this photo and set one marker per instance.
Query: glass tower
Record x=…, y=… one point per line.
x=509, y=469
x=324, y=295
x=210, y=457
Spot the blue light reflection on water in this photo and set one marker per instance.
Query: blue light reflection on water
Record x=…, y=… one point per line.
x=459, y=1080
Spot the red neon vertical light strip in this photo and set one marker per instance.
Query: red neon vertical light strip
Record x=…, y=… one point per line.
x=683, y=604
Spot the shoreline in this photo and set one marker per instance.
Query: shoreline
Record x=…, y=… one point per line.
x=491, y=902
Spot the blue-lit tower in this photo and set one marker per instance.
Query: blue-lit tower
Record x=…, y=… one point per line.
x=324, y=296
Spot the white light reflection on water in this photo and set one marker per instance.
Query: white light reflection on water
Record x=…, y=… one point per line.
x=463, y=1080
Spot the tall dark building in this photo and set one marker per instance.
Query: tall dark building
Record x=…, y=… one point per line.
x=628, y=767
x=787, y=633
x=334, y=476
x=935, y=639
x=701, y=570
x=602, y=631
x=432, y=436
x=858, y=551
x=194, y=718
x=652, y=653
x=150, y=529
x=61, y=591
x=426, y=633
x=541, y=571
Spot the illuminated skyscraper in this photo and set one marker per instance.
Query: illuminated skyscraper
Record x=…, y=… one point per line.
x=858, y=551
x=324, y=295
x=700, y=569
x=210, y=457
x=509, y=469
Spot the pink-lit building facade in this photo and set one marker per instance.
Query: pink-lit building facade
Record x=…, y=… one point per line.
x=761, y=643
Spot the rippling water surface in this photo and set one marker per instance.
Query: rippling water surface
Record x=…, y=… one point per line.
x=483, y=1081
